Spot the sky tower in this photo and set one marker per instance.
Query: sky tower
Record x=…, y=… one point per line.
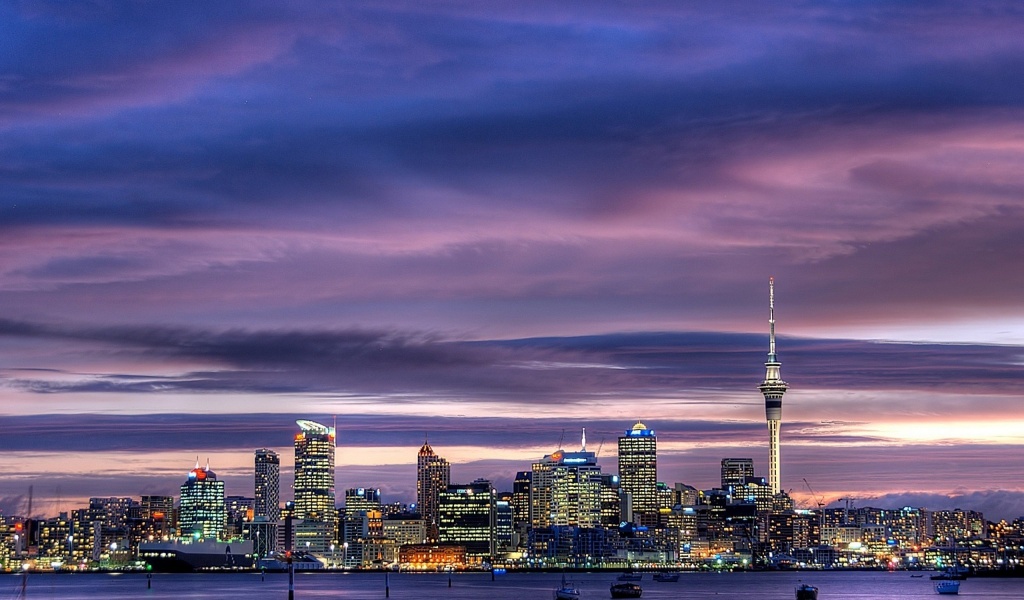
x=773, y=389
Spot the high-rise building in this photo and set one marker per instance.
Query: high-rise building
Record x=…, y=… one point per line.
x=432, y=476
x=363, y=521
x=267, y=485
x=466, y=516
x=314, y=472
x=202, y=514
x=638, y=473
x=773, y=388
x=566, y=489
x=735, y=471
x=156, y=518
x=521, y=512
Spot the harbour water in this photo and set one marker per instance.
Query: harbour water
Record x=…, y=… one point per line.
x=465, y=586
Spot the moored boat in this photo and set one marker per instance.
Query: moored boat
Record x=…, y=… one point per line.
x=666, y=576
x=630, y=575
x=567, y=591
x=950, y=587
x=806, y=592
x=626, y=590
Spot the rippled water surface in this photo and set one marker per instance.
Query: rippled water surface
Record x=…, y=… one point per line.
x=747, y=586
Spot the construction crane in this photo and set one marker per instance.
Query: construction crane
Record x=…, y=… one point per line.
x=820, y=501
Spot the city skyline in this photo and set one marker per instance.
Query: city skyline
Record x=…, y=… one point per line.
x=494, y=224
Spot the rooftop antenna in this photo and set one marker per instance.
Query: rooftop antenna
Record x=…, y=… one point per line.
x=771, y=319
x=561, y=439
x=584, y=449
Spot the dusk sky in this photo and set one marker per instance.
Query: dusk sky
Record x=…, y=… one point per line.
x=495, y=224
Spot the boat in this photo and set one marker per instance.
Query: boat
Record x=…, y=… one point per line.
x=567, y=591
x=175, y=557
x=950, y=587
x=630, y=576
x=806, y=592
x=667, y=576
x=950, y=574
x=626, y=590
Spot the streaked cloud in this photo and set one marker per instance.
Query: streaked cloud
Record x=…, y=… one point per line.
x=474, y=219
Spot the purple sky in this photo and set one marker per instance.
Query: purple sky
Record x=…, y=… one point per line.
x=495, y=222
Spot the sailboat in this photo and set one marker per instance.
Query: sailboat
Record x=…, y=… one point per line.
x=567, y=591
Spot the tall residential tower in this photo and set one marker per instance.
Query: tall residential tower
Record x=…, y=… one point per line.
x=433, y=474
x=267, y=485
x=314, y=472
x=638, y=474
x=773, y=388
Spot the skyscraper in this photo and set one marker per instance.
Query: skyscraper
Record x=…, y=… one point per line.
x=566, y=489
x=314, y=472
x=638, y=473
x=432, y=476
x=268, y=485
x=773, y=388
x=735, y=471
x=466, y=516
x=202, y=513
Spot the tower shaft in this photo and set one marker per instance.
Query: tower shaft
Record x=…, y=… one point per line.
x=773, y=388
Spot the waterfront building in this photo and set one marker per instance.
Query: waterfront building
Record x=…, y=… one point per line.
x=151, y=519
x=793, y=529
x=638, y=474
x=267, y=488
x=202, y=514
x=773, y=388
x=87, y=536
x=907, y=526
x=263, y=534
x=160, y=511
x=240, y=511
x=432, y=476
x=432, y=557
x=957, y=524
x=466, y=516
x=313, y=537
x=504, y=530
x=54, y=541
x=362, y=521
x=314, y=472
x=405, y=528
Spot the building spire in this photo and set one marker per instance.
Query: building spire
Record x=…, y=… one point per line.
x=584, y=443
x=771, y=319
